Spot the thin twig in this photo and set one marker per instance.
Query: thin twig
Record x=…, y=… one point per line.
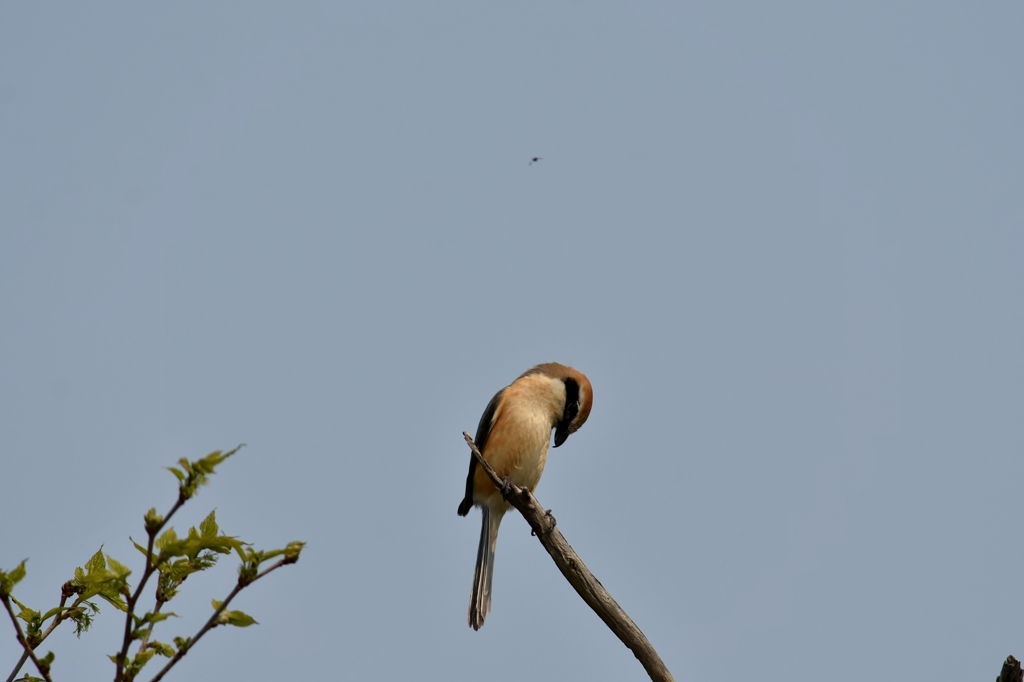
x=65, y=592
x=152, y=624
x=45, y=672
x=133, y=600
x=213, y=621
x=576, y=572
x=17, y=668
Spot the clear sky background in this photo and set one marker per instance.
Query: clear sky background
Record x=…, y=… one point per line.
x=784, y=241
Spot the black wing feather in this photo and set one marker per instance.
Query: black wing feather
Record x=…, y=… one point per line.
x=483, y=430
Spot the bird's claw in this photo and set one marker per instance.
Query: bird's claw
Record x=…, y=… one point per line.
x=552, y=521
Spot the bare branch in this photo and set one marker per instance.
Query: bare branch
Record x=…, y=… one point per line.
x=17, y=668
x=1011, y=671
x=45, y=672
x=576, y=572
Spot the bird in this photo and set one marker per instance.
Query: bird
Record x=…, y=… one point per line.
x=513, y=437
x=535, y=160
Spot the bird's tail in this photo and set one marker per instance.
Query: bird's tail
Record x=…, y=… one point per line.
x=480, y=602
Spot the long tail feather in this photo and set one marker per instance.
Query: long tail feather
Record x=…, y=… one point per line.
x=480, y=602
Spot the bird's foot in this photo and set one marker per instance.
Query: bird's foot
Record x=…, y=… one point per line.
x=506, y=488
x=551, y=523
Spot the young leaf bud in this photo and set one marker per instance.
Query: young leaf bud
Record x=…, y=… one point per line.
x=153, y=520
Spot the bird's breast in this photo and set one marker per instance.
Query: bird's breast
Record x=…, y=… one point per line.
x=517, y=446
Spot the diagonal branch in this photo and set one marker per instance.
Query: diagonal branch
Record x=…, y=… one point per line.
x=214, y=620
x=17, y=668
x=65, y=591
x=43, y=670
x=576, y=572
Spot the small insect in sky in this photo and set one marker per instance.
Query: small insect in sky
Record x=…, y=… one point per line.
x=536, y=159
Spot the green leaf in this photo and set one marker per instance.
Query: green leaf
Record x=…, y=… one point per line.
x=141, y=549
x=114, y=600
x=108, y=584
x=193, y=545
x=182, y=643
x=17, y=574
x=176, y=571
x=208, y=528
x=157, y=617
x=28, y=615
x=117, y=568
x=141, y=659
x=208, y=463
x=196, y=472
x=11, y=578
x=96, y=563
x=163, y=649
x=236, y=618
x=166, y=540
x=239, y=619
x=99, y=580
x=53, y=612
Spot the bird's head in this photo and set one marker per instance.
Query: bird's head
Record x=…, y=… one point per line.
x=579, y=395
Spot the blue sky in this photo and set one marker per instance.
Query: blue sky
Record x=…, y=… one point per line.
x=783, y=241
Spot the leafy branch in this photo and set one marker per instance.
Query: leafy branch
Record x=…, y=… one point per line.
x=85, y=584
x=191, y=476
x=7, y=583
x=248, y=574
x=171, y=559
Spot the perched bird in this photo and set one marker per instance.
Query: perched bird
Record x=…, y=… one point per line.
x=535, y=160
x=513, y=437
